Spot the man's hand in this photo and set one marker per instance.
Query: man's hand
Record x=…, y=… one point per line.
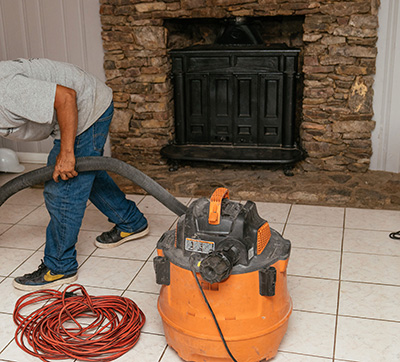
x=65, y=167
x=67, y=116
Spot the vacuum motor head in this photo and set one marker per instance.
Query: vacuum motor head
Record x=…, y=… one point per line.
x=218, y=237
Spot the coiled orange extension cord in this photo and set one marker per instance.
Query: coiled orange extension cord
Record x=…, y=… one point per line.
x=112, y=327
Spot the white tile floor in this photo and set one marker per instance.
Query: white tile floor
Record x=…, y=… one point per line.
x=344, y=276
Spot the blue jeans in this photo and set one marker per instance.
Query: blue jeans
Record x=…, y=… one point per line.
x=66, y=200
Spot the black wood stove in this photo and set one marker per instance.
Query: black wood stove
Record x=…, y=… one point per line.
x=235, y=101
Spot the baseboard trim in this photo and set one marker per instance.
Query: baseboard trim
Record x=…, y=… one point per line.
x=31, y=157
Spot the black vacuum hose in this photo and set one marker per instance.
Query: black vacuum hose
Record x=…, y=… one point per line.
x=96, y=164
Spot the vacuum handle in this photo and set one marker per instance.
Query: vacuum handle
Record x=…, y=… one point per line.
x=214, y=215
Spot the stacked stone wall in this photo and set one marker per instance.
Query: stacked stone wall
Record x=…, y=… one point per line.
x=338, y=55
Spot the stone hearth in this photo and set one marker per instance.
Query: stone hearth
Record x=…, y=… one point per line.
x=370, y=189
x=338, y=63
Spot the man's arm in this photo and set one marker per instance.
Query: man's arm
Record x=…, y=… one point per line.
x=67, y=116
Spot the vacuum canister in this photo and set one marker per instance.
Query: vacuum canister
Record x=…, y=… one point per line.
x=224, y=291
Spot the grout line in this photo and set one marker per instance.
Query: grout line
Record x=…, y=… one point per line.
x=87, y=258
x=117, y=257
x=319, y=249
x=34, y=251
x=375, y=254
x=314, y=225
x=19, y=265
x=6, y=346
x=6, y=313
x=345, y=251
x=286, y=222
x=154, y=334
x=136, y=275
x=163, y=353
x=8, y=247
x=304, y=354
x=312, y=277
x=7, y=228
x=140, y=291
x=373, y=229
x=25, y=216
x=144, y=264
x=313, y=312
x=339, y=286
x=370, y=319
x=371, y=283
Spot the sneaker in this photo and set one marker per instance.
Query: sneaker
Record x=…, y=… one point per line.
x=42, y=278
x=115, y=237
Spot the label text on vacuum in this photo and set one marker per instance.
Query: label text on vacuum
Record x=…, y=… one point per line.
x=199, y=246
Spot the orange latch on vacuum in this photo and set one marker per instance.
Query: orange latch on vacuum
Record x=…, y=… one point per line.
x=214, y=215
x=263, y=236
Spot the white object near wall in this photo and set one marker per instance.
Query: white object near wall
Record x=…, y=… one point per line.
x=386, y=136
x=63, y=30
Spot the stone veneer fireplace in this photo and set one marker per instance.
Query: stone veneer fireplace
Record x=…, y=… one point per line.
x=338, y=53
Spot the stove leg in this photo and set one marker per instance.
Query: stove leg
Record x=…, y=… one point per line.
x=174, y=166
x=288, y=170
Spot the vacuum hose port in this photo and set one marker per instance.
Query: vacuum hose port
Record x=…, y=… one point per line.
x=217, y=266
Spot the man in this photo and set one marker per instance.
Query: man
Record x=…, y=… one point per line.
x=38, y=98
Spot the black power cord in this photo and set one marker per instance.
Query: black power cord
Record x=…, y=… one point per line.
x=213, y=315
x=395, y=235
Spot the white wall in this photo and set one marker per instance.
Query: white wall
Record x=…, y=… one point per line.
x=386, y=136
x=63, y=30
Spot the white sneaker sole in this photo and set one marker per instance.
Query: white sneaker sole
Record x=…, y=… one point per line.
x=32, y=288
x=124, y=240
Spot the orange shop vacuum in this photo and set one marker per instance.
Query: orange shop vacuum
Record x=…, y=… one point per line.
x=224, y=292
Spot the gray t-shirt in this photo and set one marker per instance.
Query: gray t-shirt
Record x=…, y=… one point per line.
x=27, y=93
